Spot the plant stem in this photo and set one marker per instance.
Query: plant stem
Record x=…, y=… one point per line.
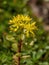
x=19, y=51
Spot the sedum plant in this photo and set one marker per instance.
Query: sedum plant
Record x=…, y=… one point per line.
x=22, y=26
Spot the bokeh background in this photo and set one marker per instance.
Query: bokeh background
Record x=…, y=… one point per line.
x=39, y=48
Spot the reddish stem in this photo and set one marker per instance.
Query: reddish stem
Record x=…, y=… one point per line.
x=19, y=50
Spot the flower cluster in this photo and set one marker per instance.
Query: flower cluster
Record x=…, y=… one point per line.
x=23, y=23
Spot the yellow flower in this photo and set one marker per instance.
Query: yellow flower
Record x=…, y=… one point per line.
x=30, y=28
x=22, y=22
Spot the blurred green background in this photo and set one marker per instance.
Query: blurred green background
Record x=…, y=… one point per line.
x=38, y=50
